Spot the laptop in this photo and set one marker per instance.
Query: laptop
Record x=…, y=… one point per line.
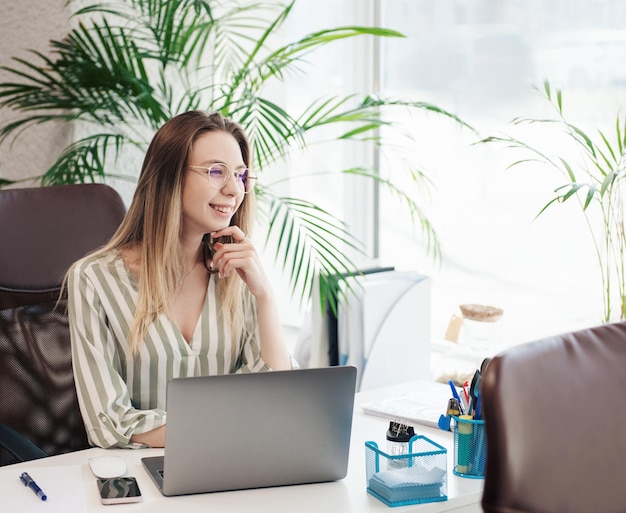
x=239, y=431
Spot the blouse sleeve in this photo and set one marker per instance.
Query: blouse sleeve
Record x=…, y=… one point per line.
x=105, y=403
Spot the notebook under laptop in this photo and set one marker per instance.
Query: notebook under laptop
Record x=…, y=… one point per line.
x=239, y=431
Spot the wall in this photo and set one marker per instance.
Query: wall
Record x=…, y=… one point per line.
x=25, y=25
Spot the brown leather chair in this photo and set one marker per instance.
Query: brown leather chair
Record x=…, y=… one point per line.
x=555, y=420
x=42, y=232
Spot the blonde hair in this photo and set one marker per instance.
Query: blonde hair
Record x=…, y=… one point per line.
x=154, y=222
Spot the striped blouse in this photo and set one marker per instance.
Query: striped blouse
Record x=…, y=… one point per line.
x=121, y=393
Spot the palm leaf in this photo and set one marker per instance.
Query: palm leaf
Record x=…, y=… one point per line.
x=602, y=164
x=418, y=215
x=309, y=240
x=270, y=128
x=84, y=161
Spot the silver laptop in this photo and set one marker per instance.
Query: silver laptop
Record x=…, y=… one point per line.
x=240, y=431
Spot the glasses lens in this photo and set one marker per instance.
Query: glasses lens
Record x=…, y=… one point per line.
x=249, y=181
x=218, y=174
x=242, y=179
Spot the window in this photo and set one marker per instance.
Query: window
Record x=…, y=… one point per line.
x=480, y=60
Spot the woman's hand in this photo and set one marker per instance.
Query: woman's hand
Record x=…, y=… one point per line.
x=153, y=438
x=240, y=256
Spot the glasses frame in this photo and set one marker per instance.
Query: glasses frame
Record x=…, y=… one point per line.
x=250, y=179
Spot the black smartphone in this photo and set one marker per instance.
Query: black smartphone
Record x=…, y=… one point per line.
x=119, y=490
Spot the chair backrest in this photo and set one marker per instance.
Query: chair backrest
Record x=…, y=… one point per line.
x=555, y=423
x=42, y=232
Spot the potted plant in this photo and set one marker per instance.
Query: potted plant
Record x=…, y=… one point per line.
x=593, y=179
x=129, y=65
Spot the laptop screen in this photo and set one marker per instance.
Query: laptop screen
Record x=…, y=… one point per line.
x=240, y=431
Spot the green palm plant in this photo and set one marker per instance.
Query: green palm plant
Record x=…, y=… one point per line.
x=129, y=65
x=594, y=178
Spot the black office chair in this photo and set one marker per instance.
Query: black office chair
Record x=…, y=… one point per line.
x=42, y=232
x=554, y=418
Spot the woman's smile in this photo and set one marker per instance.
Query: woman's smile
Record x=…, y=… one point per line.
x=223, y=209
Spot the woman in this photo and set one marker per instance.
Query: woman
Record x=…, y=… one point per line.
x=178, y=291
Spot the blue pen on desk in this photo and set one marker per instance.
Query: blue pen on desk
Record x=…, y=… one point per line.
x=455, y=394
x=28, y=481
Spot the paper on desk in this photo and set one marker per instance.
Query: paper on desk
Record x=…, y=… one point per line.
x=63, y=486
x=421, y=402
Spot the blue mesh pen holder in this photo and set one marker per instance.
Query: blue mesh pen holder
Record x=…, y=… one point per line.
x=470, y=447
x=412, y=478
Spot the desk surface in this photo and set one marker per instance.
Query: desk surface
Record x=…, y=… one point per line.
x=346, y=495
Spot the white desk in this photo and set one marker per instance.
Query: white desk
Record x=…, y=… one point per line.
x=346, y=495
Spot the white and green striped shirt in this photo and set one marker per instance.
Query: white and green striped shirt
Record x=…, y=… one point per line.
x=121, y=393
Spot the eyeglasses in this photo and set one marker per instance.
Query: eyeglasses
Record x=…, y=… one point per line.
x=218, y=174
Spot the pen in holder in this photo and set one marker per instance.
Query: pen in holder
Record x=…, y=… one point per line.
x=470, y=447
